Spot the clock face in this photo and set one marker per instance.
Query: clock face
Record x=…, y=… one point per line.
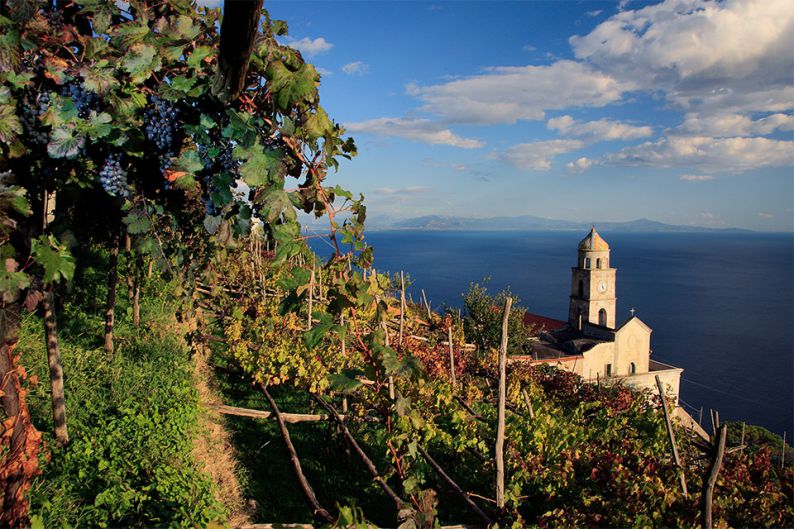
x=602, y=286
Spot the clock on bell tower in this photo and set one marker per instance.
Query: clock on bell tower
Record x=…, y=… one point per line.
x=593, y=298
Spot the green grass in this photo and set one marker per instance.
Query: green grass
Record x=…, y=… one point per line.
x=131, y=416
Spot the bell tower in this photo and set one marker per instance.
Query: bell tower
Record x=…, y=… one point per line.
x=592, y=285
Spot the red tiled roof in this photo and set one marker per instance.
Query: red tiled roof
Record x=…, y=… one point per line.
x=548, y=324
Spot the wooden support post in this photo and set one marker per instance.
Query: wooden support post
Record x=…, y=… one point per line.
x=427, y=305
x=500, y=425
x=399, y=503
x=528, y=403
x=454, y=486
x=451, y=358
x=320, y=284
x=741, y=443
x=671, y=437
x=700, y=417
x=344, y=339
x=402, y=308
x=311, y=302
x=392, y=395
x=711, y=480
x=318, y=512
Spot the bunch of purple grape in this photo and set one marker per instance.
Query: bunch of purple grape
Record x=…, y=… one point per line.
x=84, y=100
x=113, y=177
x=160, y=119
x=33, y=105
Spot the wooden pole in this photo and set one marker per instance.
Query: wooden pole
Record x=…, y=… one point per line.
x=344, y=340
x=671, y=437
x=451, y=357
x=714, y=470
x=741, y=443
x=427, y=305
x=318, y=512
x=700, y=417
x=402, y=308
x=454, y=486
x=398, y=502
x=311, y=302
x=500, y=425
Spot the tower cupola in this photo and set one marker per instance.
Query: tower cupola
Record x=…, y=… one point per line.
x=593, y=298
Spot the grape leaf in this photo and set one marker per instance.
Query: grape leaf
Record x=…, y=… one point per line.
x=98, y=78
x=290, y=87
x=54, y=257
x=141, y=62
x=65, y=143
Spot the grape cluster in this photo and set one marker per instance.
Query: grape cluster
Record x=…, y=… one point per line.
x=113, y=176
x=160, y=119
x=33, y=105
x=84, y=100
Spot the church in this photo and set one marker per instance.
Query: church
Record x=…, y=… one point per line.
x=591, y=343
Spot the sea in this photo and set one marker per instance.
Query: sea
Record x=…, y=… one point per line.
x=721, y=304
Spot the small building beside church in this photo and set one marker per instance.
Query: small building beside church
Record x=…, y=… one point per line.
x=592, y=343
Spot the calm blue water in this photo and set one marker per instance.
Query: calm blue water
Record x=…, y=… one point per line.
x=721, y=305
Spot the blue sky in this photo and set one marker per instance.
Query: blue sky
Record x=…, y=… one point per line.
x=679, y=111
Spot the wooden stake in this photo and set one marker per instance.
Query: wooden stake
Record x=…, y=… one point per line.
x=714, y=470
x=741, y=443
x=402, y=307
x=500, y=425
x=311, y=302
x=454, y=486
x=671, y=437
x=427, y=305
x=451, y=358
x=318, y=512
x=399, y=503
x=344, y=340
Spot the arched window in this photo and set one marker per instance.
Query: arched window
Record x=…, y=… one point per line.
x=581, y=288
x=587, y=262
x=602, y=317
x=598, y=263
x=632, y=368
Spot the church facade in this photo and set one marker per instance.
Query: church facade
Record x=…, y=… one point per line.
x=591, y=343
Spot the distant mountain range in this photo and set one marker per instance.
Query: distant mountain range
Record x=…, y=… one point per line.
x=527, y=223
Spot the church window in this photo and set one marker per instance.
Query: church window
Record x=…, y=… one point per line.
x=587, y=262
x=609, y=370
x=632, y=368
x=602, y=317
x=598, y=263
x=581, y=288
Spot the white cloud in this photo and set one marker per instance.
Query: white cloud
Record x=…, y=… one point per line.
x=309, y=47
x=732, y=54
x=732, y=155
x=696, y=177
x=511, y=93
x=536, y=156
x=582, y=164
x=528, y=47
x=764, y=215
x=323, y=71
x=410, y=190
x=728, y=125
x=594, y=13
x=356, y=68
x=601, y=130
x=417, y=129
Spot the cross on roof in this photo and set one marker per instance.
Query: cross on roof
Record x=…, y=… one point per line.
x=632, y=310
